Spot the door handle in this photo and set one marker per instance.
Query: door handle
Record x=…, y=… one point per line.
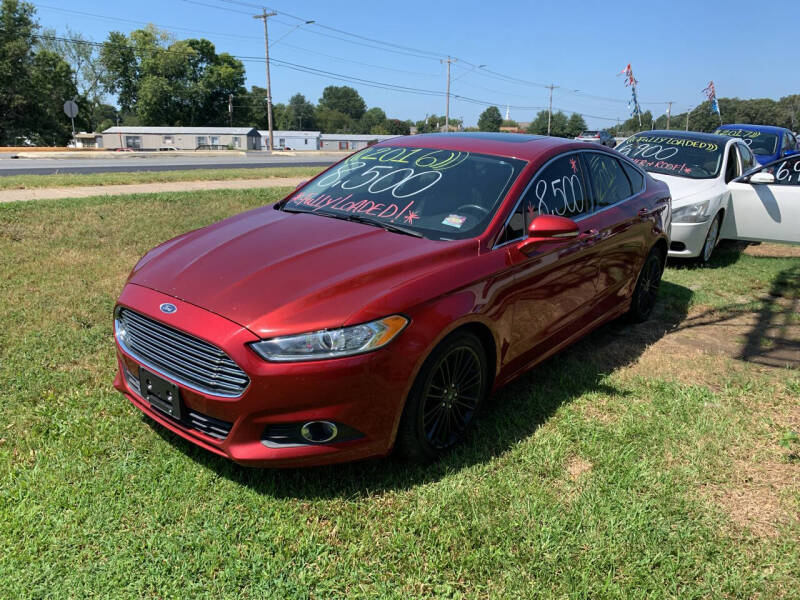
x=644, y=212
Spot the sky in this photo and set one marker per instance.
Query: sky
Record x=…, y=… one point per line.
x=505, y=51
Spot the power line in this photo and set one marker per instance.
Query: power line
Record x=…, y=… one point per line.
x=323, y=73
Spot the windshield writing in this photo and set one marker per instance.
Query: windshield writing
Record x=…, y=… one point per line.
x=442, y=194
x=760, y=143
x=674, y=155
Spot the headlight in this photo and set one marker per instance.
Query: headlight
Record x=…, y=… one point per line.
x=694, y=213
x=331, y=343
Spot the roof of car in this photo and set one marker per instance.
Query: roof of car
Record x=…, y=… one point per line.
x=690, y=135
x=747, y=127
x=512, y=145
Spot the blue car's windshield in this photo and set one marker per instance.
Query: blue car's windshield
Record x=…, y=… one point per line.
x=759, y=142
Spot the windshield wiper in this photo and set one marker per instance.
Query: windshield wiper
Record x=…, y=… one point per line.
x=387, y=226
x=359, y=219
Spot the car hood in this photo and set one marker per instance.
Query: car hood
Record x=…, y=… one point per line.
x=685, y=190
x=277, y=273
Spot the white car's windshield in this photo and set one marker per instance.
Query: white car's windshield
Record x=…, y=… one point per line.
x=678, y=154
x=437, y=194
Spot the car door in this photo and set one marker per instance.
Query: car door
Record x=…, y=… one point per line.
x=554, y=289
x=768, y=211
x=623, y=221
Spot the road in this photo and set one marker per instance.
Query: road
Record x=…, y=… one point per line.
x=48, y=166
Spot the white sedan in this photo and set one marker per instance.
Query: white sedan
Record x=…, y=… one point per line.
x=717, y=192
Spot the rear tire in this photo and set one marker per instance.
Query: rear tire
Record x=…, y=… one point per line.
x=646, y=290
x=446, y=395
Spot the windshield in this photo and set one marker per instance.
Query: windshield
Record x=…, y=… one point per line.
x=759, y=142
x=439, y=194
x=678, y=155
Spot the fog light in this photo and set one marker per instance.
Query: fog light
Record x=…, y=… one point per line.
x=319, y=432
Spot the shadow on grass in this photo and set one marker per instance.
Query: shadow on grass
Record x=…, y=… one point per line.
x=768, y=331
x=728, y=252
x=512, y=414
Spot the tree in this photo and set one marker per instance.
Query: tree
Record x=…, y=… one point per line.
x=83, y=57
x=34, y=82
x=575, y=125
x=333, y=121
x=396, y=127
x=168, y=82
x=373, y=118
x=301, y=113
x=343, y=99
x=559, y=125
x=490, y=119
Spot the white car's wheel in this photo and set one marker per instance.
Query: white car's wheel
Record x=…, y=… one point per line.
x=711, y=240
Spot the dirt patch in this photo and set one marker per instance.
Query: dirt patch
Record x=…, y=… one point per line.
x=577, y=466
x=772, y=250
x=145, y=188
x=755, y=497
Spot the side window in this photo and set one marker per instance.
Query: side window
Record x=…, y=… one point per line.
x=515, y=228
x=609, y=182
x=558, y=189
x=732, y=166
x=635, y=177
x=787, y=171
x=748, y=160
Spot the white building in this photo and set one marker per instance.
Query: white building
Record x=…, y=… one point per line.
x=181, y=138
x=350, y=141
x=291, y=140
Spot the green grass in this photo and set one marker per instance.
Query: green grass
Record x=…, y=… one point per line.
x=586, y=478
x=19, y=182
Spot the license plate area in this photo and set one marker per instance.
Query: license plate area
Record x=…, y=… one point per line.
x=160, y=393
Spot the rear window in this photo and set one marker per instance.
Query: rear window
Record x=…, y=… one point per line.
x=758, y=141
x=590, y=134
x=679, y=155
x=441, y=194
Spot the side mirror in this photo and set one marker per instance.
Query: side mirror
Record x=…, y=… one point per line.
x=548, y=228
x=762, y=177
x=301, y=184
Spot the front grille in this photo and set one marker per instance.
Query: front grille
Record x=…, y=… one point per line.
x=212, y=427
x=209, y=425
x=184, y=358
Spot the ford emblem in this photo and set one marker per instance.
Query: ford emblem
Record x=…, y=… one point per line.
x=168, y=308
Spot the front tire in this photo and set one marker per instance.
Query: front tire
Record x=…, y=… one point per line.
x=446, y=395
x=646, y=290
x=712, y=238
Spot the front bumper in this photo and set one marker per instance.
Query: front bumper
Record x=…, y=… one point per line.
x=687, y=239
x=365, y=393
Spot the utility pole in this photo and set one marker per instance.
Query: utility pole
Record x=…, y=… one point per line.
x=230, y=110
x=688, y=110
x=449, y=61
x=669, y=112
x=551, y=87
x=264, y=16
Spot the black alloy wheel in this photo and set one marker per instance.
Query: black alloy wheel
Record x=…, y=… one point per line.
x=646, y=290
x=445, y=398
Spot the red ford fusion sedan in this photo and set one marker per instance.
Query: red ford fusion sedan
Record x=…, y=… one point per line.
x=380, y=304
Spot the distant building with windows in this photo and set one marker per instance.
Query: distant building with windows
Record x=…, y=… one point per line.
x=291, y=140
x=181, y=138
x=350, y=141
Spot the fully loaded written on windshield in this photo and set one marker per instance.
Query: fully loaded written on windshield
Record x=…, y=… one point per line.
x=440, y=194
x=682, y=156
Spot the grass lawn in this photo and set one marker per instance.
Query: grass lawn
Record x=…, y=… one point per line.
x=21, y=182
x=661, y=460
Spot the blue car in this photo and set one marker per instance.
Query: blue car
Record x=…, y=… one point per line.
x=766, y=142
